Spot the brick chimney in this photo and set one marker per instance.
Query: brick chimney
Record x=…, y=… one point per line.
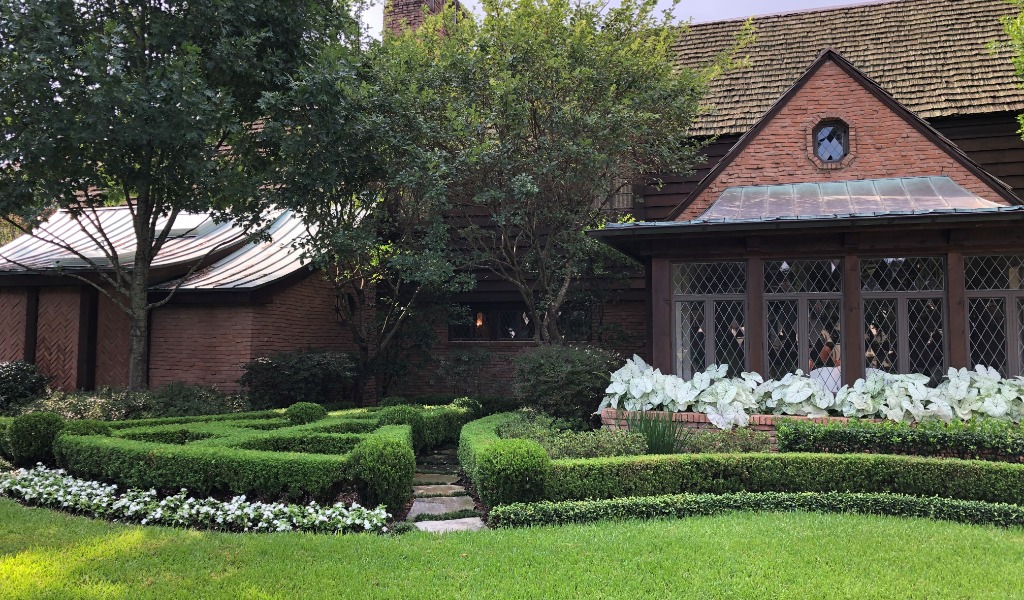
x=403, y=14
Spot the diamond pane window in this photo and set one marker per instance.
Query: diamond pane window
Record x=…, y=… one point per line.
x=903, y=274
x=1020, y=331
x=709, y=278
x=881, y=335
x=514, y=325
x=831, y=141
x=987, y=321
x=730, y=335
x=692, y=341
x=823, y=350
x=803, y=276
x=782, y=320
x=926, y=347
x=1004, y=272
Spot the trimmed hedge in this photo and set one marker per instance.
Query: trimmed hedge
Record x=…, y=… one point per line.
x=5, y=447
x=384, y=465
x=983, y=439
x=692, y=505
x=209, y=457
x=655, y=475
x=31, y=437
x=301, y=413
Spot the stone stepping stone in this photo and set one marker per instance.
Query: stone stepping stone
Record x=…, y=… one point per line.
x=434, y=479
x=437, y=490
x=437, y=460
x=467, y=524
x=439, y=506
x=452, y=469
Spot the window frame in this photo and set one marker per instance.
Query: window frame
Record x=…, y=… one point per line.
x=492, y=315
x=1013, y=302
x=846, y=139
x=709, y=305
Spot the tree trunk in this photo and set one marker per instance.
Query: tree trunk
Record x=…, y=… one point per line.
x=138, y=329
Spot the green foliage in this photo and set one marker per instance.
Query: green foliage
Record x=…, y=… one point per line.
x=691, y=505
x=310, y=443
x=720, y=473
x=384, y=466
x=119, y=404
x=31, y=438
x=564, y=381
x=86, y=427
x=20, y=382
x=305, y=412
x=666, y=436
x=285, y=378
x=476, y=437
x=984, y=439
x=5, y=442
x=526, y=151
x=405, y=415
x=512, y=471
x=563, y=443
x=442, y=425
x=475, y=407
x=396, y=401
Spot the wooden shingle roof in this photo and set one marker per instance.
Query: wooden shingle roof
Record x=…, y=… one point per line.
x=933, y=56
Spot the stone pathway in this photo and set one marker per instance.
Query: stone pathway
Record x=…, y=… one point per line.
x=436, y=494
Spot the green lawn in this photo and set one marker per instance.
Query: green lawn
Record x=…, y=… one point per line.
x=44, y=554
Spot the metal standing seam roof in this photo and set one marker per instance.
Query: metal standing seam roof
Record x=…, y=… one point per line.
x=193, y=236
x=901, y=195
x=933, y=56
x=256, y=264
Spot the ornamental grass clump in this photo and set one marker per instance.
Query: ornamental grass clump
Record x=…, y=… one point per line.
x=53, y=488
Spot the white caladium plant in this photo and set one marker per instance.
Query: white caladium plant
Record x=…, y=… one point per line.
x=729, y=402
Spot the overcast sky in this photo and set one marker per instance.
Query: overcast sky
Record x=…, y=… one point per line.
x=698, y=10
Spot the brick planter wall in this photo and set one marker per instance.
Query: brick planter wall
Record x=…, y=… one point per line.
x=616, y=419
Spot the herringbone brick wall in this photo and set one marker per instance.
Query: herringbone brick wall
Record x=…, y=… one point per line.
x=111, y=344
x=57, y=341
x=12, y=323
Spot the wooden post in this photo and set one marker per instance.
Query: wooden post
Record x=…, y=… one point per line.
x=755, y=317
x=852, y=340
x=957, y=300
x=661, y=315
x=31, y=323
x=88, y=315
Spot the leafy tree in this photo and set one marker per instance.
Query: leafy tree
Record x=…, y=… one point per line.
x=558, y=106
x=352, y=148
x=141, y=102
x=1013, y=25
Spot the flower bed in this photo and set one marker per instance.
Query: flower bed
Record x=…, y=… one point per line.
x=729, y=402
x=53, y=488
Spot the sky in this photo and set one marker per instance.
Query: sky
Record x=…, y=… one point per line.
x=697, y=10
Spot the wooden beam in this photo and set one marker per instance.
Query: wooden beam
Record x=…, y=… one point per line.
x=31, y=323
x=88, y=313
x=755, y=317
x=660, y=332
x=957, y=300
x=852, y=340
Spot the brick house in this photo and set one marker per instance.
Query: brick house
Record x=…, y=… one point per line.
x=907, y=129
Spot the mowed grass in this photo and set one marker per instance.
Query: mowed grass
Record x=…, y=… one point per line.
x=45, y=554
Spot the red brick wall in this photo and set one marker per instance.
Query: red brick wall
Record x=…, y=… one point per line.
x=300, y=316
x=57, y=341
x=403, y=14
x=199, y=344
x=111, y=344
x=12, y=323
x=882, y=144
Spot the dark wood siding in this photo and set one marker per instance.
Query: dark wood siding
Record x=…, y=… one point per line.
x=991, y=140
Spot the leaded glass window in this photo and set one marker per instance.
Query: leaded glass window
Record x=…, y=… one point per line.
x=710, y=315
x=831, y=141
x=995, y=311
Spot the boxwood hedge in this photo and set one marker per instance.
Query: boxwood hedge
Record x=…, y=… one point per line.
x=654, y=475
x=691, y=505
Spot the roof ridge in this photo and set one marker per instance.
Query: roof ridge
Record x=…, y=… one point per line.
x=800, y=11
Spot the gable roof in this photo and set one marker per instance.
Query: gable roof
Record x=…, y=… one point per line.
x=932, y=55
x=863, y=197
x=919, y=124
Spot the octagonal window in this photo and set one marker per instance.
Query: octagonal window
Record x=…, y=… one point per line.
x=831, y=141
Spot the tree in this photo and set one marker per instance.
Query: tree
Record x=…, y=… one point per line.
x=351, y=148
x=141, y=102
x=560, y=107
x=1013, y=25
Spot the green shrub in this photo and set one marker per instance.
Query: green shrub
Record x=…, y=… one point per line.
x=695, y=441
x=310, y=443
x=301, y=413
x=442, y=425
x=384, y=465
x=661, y=432
x=20, y=382
x=691, y=505
x=984, y=439
x=475, y=407
x=31, y=438
x=563, y=443
x=5, y=442
x=298, y=376
x=512, y=471
x=175, y=400
x=655, y=475
x=86, y=427
x=476, y=437
x=396, y=401
x=405, y=415
x=564, y=381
